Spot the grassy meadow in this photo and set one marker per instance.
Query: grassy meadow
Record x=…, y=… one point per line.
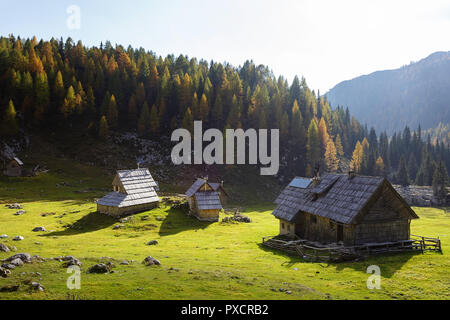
x=199, y=260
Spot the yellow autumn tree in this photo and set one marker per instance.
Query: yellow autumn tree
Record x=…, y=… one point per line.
x=357, y=158
x=331, y=160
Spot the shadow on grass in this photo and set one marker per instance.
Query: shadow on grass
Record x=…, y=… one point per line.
x=91, y=222
x=389, y=263
x=178, y=221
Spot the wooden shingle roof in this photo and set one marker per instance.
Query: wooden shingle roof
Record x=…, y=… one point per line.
x=139, y=189
x=208, y=200
x=336, y=197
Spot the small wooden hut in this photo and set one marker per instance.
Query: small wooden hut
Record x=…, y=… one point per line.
x=206, y=199
x=133, y=192
x=340, y=208
x=13, y=168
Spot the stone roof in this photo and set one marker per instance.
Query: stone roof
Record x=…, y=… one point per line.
x=337, y=197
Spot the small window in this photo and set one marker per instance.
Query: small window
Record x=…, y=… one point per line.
x=282, y=225
x=332, y=225
x=289, y=227
x=313, y=219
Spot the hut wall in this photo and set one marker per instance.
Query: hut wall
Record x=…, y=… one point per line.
x=208, y=215
x=315, y=228
x=13, y=169
x=382, y=232
x=287, y=228
x=118, y=212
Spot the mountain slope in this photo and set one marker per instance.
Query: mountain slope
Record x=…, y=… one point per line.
x=391, y=99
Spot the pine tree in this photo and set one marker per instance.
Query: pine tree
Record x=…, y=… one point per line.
x=103, y=131
x=339, y=147
x=188, y=121
x=412, y=167
x=402, y=174
x=313, y=145
x=357, y=158
x=323, y=134
x=9, y=124
x=204, y=109
x=440, y=182
x=380, y=167
x=331, y=160
x=217, y=113
x=113, y=113
x=68, y=107
x=144, y=120
x=154, y=120
x=132, y=112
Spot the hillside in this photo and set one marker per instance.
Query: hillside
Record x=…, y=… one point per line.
x=389, y=100
x=199, y=260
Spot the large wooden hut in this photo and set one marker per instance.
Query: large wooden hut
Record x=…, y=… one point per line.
x=133, y=192
x=340, y=208
x=13, y=168
x=206, y=199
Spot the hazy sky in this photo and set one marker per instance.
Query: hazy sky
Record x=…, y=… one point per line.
x=325, y=41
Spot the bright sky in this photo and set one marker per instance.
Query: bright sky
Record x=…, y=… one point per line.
x=326, y=41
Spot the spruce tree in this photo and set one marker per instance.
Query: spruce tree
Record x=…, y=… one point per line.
x=401, y=176
x=440, y=182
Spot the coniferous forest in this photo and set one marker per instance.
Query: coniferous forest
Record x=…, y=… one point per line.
x=102, y=90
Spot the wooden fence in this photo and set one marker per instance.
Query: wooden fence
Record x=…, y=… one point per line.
x=336, y=253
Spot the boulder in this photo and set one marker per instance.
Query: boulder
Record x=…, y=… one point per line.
x=150, y=261
x=125, y=263
x=4, y=272
x=39, y=229
x=152, y=243
x=8, y=266
x=25, y=257
x=71, y=261
x=19, y=213
x=4, y=236
x=18, y=238
x=37, y=286
x=4, y=248
x=100, y=268
x=14, y=206
x=17, y=262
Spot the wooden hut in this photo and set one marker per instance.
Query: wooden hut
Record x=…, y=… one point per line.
x=133, y=192
x=340, y=208
x=206, y=199
x=13, y=168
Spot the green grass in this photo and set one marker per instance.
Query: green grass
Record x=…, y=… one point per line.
x=199, y=260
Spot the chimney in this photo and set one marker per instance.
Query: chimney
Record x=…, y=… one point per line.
x=351, y=174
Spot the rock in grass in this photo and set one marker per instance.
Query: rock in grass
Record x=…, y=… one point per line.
x=14, y=206
x=17, y=262
x=150, y=261
x=8, y=266
x=4, y=272
x=19, y=213
x=25, y=257
x=39, y=229
x=18, y=238
x=4, y=236
x=125, y=263
x=100, y=268
x=12, y=288
x=4, y=248
x=152, y=243
x=37, y=286
x=119, y=226
x=71, y=261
